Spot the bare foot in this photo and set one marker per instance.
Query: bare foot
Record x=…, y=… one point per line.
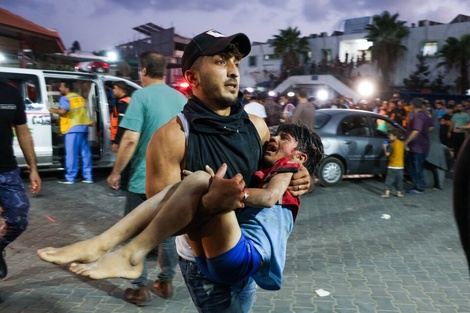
x=83, y=251
x=117, y=264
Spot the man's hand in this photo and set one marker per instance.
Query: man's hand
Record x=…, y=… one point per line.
x=300, y=182
x=115, y=147
x=114, y=180
x=224, y=195
x=35, y=186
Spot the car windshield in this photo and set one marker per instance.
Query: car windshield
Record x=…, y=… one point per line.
x=321, y=119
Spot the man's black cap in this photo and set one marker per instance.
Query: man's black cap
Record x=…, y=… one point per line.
x=122, y=85
x=210, y=43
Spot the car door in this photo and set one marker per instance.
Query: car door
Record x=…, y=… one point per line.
x=381, y=127
x=356, y=148
x=31, y=86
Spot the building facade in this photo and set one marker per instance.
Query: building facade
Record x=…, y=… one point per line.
x=349, y=50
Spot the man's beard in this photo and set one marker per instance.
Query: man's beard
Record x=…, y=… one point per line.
x=226, y=102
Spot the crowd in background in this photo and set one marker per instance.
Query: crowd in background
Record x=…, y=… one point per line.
x=452, y=117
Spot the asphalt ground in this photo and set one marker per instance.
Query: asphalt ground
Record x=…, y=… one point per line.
x=369, y=254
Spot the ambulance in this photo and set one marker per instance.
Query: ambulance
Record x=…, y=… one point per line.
x=40, y=91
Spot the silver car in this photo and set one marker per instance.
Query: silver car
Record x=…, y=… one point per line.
x=353, y=141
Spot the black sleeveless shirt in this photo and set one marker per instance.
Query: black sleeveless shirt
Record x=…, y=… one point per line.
x=215, y=139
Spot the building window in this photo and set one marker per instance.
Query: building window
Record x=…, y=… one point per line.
x=430, y=48
x=270, y=57
x=326, y=54
x=252, y=61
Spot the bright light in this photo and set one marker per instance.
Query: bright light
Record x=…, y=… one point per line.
x=2, y=57
x=112, y=56
x=272, y=93
x=290, y=94
x=249, y=89
x=365, y=88
x=184, y=85
x=322, y=95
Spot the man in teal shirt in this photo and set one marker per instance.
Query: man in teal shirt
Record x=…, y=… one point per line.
x=151, y=107
x=458, y=124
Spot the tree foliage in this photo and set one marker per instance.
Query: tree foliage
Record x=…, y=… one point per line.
x=386, y=33
x=75, y=47
x=419, y=79
x=456, y=54
x=290, y=45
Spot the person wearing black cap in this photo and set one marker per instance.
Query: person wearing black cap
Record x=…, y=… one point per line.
x=212, y=129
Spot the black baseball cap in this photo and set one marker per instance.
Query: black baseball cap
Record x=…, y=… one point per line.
x=122, y=85
x=212, y=42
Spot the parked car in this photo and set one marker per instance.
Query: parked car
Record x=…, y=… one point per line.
x=353, y=141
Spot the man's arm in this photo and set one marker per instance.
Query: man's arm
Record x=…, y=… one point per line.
x=59, y=111
x=165, y=155
x=127, y=147
x=411, y=137
x=26, y=144
x=451, y=128
x=269, y=196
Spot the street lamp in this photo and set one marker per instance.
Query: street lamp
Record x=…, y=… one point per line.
x=112, y=56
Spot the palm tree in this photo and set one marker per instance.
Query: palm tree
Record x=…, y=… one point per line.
x=386, y=34
x=457, y=55
x=290, y=46
x=75, y=47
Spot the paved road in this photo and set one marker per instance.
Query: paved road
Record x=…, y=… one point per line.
x=411, y=262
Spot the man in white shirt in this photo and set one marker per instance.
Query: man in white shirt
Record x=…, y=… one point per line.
x=256, y=106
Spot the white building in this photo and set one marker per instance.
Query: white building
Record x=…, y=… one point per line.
x=426, y=37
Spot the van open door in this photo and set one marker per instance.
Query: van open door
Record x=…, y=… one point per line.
x=88, y=89
x=37, y=114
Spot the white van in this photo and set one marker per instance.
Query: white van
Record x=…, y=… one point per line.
x=40, y=90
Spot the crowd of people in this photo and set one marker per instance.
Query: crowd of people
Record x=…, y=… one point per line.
x=171, y=146
x=447, y=124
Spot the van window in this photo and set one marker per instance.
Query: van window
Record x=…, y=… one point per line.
x=28, y=85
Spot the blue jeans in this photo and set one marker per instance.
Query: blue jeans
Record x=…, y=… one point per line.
x=210, y=297
x=15, y=204
x=76, y=145
x=167, y=256
x=415, y=166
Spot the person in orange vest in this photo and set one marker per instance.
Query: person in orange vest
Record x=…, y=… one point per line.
x=121, y=94
x=74, y=123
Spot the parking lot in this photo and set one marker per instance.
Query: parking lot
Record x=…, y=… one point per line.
x=368, y=254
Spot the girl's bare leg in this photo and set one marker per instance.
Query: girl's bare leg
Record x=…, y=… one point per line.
x=92, y=249
x=174, y=215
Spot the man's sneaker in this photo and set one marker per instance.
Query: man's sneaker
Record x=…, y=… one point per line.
x=399, y=194
x=66, y=182
x=414, y=192
x=86, y=181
